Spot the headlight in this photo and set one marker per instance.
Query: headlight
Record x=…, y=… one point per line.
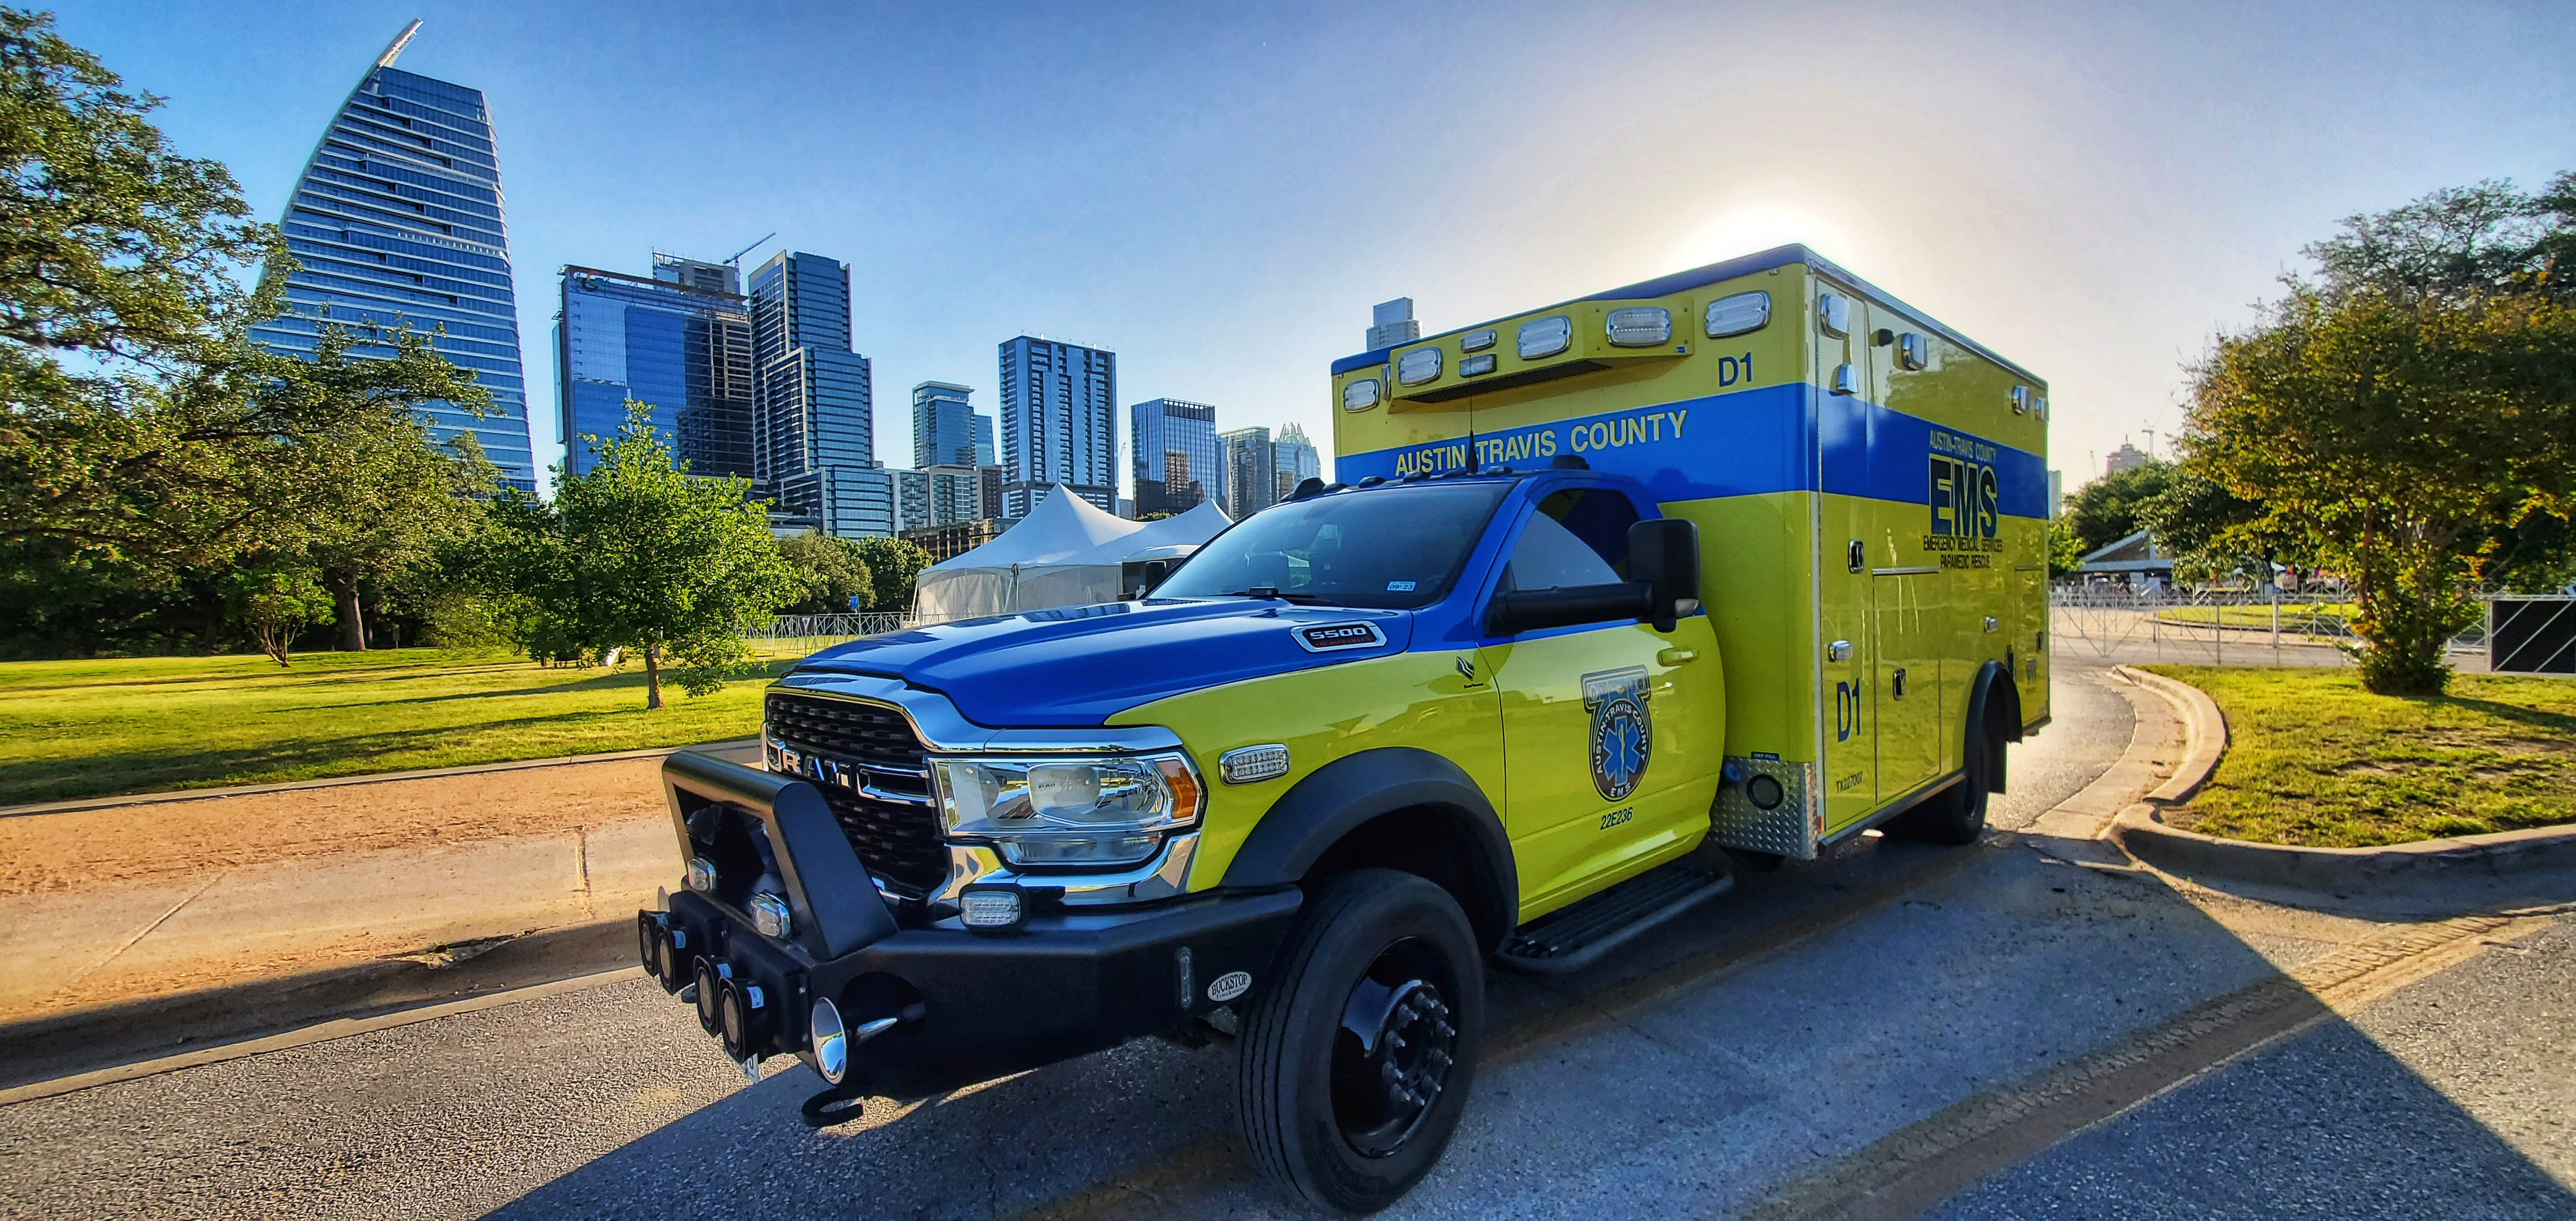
x=1095, y=811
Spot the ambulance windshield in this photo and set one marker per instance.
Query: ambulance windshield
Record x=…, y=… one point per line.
x=1391, y=548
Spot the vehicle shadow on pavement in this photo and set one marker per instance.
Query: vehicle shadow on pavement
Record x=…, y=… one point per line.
x=1866, y=1035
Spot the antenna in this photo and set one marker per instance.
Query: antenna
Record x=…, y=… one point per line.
x=736, y=261
x=400, y=41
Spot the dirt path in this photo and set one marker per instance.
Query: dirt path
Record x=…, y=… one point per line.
x=170, y=841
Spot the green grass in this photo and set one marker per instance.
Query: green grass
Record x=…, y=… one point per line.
x=2313, y=759
x=91, y=728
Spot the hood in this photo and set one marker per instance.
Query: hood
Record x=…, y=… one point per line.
x=1078, y=665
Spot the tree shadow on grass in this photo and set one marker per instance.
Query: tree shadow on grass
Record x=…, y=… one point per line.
x=2554, y=722
x=616, y=681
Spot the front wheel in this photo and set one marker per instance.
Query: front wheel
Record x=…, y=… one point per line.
x=1355, y=1064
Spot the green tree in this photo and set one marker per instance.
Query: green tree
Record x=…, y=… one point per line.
x=2405, y=413
x=2106, y=510
x=637, y=554
x=836, y=575
x=395, y=500
x=275, y=601
x=2065, y=556
x=893, y=565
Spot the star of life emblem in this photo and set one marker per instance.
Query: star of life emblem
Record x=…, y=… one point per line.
x=1623, y=732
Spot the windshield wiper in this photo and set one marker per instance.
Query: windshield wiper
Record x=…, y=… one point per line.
x=1264, y=591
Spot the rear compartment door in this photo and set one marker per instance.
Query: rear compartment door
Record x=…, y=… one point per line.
x=1910, y=627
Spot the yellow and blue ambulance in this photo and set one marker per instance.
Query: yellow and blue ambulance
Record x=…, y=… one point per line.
x=1608, y=598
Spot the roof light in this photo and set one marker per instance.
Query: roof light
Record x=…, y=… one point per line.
x=2039, y=407
x=1737, y=315
x=1418, y=366
x=1476, y=341
x=1913, y=351
x=2020, y=399
x=1833, y=314
x=1476, y=366
x=1546, y=337
x=1360, y=395
x=1640, y=326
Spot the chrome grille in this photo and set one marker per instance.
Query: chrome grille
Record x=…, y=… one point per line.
x=880, y=792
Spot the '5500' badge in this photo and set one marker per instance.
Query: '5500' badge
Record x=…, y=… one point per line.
x=1623, y=732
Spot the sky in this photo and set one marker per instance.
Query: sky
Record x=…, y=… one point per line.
x=1219, y=193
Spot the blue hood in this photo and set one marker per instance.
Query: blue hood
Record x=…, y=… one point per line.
x=1078, y=665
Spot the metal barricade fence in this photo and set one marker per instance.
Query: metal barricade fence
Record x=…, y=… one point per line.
x=2216, y=626
x=798, y=635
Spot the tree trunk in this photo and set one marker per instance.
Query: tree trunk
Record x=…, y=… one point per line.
x=652, y=677
x=353, y=623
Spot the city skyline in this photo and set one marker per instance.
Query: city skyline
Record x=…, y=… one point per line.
x=2027, y=236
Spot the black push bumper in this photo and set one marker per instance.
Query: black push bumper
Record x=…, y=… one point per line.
x=966, y=1006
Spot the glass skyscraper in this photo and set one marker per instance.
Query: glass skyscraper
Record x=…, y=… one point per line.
x=398, y=220
x=1293, y=457
x=1176, y=461
x=1059, y=423
x=1250, y=471
x=683, y=351
x=943, y=425
x=813, y=414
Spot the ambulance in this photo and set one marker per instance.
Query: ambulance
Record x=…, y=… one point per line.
x=1607, y=599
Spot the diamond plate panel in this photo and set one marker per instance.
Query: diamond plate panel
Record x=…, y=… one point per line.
x=1790, y=830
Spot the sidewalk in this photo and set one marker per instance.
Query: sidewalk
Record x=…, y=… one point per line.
x=112, y=904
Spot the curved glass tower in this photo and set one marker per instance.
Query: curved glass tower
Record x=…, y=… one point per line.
x=397, y=220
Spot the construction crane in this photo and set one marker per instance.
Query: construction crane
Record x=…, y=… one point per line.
x=736, y=261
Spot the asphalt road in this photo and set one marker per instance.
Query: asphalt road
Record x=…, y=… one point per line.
x=1761, y=1057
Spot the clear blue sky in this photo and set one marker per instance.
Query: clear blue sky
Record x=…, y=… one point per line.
x=1219, y=192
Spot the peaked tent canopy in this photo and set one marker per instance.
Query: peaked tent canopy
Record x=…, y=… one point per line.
x=1066, y=552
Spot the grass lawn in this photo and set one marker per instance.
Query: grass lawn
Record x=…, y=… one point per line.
x=91, y=728
x=2313, y=759
x=2314, y=618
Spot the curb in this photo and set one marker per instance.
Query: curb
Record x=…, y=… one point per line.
x=84, y=1047
x=2427, y=873
x=330, y=782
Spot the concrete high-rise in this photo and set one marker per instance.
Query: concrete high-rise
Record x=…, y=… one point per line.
x=397, y=221
x=1391, y=323
x=943, y=425
x=683, y=352
x=813, y=416
x=1059, y=423
x=1174, y=460
x=697, y=274
x=1251, y=482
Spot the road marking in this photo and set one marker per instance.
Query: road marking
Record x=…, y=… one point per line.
x=324, y=1032
x=1918, y=1166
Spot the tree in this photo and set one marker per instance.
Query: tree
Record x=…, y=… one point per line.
x=836, y=576
x=637, y=554
x=2106, y=510
x=2065, y=556
x=2404, y=414
x=395, y=500
x=893, y=564
x=276, y=601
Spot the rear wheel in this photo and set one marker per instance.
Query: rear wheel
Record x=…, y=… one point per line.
x=1956, y=815
x=1355, y=1064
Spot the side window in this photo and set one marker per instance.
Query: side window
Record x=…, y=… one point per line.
x=1577, y=537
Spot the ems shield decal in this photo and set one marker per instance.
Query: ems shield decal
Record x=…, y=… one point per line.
x=1623, y=733
x=1335, y=637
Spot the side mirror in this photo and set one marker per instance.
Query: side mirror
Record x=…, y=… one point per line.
x=1530, y=610
x=1664, y=554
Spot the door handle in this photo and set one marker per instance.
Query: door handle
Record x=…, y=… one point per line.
x=1900, y=683
x=1675, y=657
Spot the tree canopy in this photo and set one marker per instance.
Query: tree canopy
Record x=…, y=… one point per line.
x=835, y=570
x=637, y=554
x=2107, y=510
x=2408, y=416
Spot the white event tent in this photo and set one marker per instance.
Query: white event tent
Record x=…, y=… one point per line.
x=1066, y=552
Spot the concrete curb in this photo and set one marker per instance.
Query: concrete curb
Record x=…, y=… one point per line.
x=2441, y=872
x=91, y=1045
x=721, y=749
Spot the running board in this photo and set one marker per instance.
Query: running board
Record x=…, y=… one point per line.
x=1577, y=936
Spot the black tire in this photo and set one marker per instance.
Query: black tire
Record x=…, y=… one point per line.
x=1383, y=949
x=1956, y=815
